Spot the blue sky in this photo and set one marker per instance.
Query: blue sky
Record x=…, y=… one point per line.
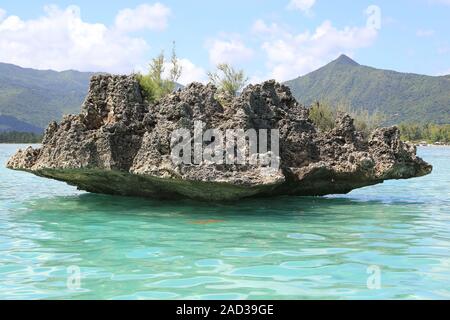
x=269, y=39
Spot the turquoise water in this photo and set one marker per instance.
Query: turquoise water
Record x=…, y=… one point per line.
x=288, y=247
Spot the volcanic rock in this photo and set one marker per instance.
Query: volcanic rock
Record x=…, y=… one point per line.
x=121, y=144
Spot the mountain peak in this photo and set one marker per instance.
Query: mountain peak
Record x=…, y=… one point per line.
x=402, y=97
x=345, y=60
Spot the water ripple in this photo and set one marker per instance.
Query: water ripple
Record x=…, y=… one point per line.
x=289, y=247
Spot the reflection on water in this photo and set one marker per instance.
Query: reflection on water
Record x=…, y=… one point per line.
x=288, y=247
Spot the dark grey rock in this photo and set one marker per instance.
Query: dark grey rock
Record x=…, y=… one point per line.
x=120, y=144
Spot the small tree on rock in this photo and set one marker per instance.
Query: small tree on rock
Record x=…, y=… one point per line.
x=176, y=70
x=154, y=85
x=228, y=80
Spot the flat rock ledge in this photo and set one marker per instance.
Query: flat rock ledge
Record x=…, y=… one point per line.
x=120, y=144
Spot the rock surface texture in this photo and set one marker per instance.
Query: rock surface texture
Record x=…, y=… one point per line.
x=120, y=144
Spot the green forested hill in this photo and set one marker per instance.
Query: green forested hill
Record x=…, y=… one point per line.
x=30, y=99
x=401, y=96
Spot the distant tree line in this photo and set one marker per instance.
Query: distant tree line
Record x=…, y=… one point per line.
x=324, y=117
x=431, y=133
x=19, y=137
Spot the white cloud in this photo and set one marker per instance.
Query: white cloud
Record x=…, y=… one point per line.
x=190, y=72
x=61, y=40
x=425, y=33
x=144, y=16
x=444, y=73
x=257, y=78
x=290, y=55
x=302, y=5
x=232, y=51
x=11, y=23
x=261, y=28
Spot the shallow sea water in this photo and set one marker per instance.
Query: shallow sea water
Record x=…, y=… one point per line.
x=390, y=241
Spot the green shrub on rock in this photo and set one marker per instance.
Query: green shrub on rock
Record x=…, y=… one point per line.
x=154, y=84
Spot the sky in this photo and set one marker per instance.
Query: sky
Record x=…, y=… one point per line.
x=279, y=39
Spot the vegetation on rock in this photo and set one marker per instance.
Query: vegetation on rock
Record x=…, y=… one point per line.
x=324, y=117
x=228, y=80
x=154, y=84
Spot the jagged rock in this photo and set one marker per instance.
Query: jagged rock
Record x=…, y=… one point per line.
x=120, y=144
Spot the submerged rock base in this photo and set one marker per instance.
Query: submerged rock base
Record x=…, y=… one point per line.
x=120, y=144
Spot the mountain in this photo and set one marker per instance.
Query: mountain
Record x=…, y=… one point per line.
x=8, y=123
x=30, y=99
x=401, y=96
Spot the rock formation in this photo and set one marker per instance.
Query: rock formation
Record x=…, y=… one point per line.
x=121, y=144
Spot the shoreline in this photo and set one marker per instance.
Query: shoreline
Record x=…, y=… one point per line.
x=430, y=145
